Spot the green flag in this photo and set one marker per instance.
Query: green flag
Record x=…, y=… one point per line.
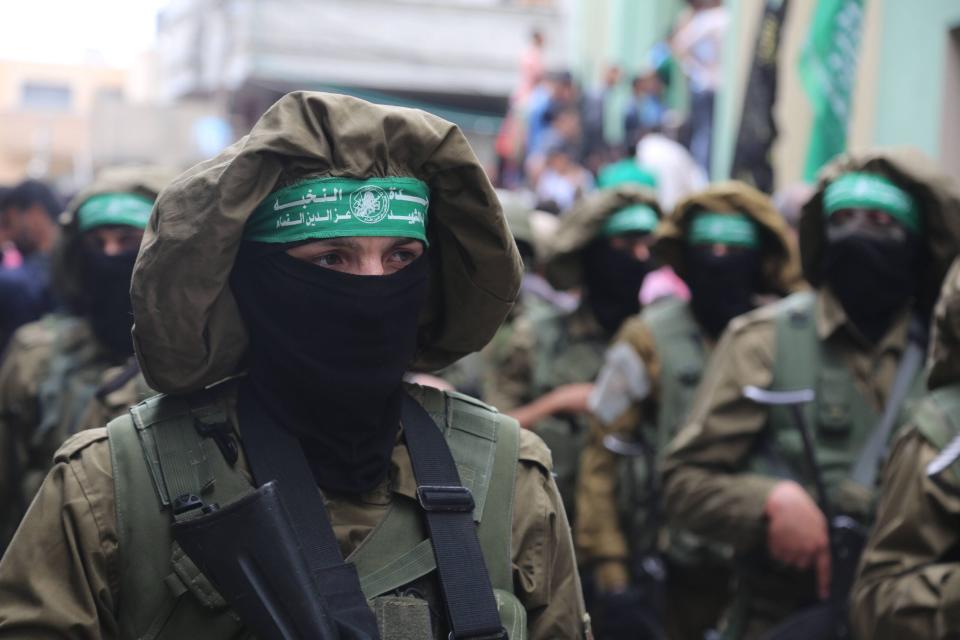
x=828, y=67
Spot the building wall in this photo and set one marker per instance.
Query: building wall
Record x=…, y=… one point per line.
x=907, y=87
x=45, y=116
x=916, y=99
x=793, y=111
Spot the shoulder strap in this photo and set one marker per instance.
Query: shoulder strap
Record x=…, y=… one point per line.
x=275, y=454
x=448, y=506
x=867, y=465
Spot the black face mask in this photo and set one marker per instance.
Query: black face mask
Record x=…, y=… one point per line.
x=721, y=287
x=107, y=280
x=873, y=278
x=327, y=355
x=613, y=278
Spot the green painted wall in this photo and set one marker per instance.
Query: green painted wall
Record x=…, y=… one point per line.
x=911, y=73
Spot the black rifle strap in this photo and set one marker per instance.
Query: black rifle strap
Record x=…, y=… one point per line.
x=275, y=454
x=448, y=507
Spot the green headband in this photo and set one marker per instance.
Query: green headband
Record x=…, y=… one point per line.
x=341, y=207
x=638, y=218
x=127, y=209
x=871, y=191
x=731, y=228
x=625, y=172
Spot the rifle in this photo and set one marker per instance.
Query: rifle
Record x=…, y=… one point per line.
x=638, y=611
x=826, y=620
x=249, y=551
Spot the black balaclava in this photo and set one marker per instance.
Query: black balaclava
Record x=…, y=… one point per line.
x=327, y=355
x=106, y=280
x=613, y=278
x=722, y=287
x=872, y=274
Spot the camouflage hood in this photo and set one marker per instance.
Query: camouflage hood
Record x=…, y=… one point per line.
x=145, y=181
x=936, y=194
x=578, y=228
x=188, y=331
x=781, y=268
x=943, y=362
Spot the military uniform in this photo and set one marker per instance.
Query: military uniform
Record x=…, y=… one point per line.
x=731, y=452
x=96, y=553
x=618, y=512
x=909, y=580
x=549, y=348
x=55, y=368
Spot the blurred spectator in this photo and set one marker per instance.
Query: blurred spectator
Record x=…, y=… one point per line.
x=563, y=130
x=509, y=145
x=531, y=69
x=697, y=43
x=562, y=180
x=593, y=110
x=28, y=216
x=10, y=258
x=676, y=171
x=646, y=109
x=552, y=99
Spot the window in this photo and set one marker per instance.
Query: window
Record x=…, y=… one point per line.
x=41, y=95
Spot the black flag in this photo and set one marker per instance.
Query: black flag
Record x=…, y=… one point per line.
x=751, y=158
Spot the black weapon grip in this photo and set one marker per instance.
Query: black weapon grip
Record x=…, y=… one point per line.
x=250, y=553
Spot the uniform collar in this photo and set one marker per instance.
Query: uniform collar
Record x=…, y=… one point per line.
x=830, y=318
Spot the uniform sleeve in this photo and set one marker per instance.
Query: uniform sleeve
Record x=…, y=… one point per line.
x=544, y=567
x=598, y=533
x=706, y=489
x=24, y=364
x=508, y=366
x=909, y=580
x=58, y=578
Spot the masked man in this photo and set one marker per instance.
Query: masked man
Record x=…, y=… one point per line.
x=282, y=291
x=601, y=248
x=875, y=242
x=909, y=580
x=730, y=246
x=61, y=369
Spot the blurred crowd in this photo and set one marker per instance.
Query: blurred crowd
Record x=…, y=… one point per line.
x=660, y=313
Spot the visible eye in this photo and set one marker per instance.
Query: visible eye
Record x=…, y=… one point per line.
x=880, y=218
x=331, y=259
x=402, y=255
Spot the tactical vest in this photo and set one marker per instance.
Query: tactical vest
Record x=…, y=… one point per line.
x=682, y=355
x=937, y=417
x=840, y=420
x=163, y=595
x=558, y=359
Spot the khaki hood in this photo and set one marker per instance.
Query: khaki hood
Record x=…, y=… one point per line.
x=781, y=267
x=578, y=228
x=188, y=331
x=943, y=361
x=936, y=194
x=66, y=271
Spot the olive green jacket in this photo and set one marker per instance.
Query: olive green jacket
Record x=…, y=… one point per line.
x=909, y=580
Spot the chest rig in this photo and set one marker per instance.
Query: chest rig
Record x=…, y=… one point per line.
x=168, y=447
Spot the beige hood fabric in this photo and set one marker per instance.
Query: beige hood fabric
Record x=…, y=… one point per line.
x=147, y=181
x=563, y=254
x=943, y=361
x=188, y=332
x=936, y=194
x=781, y=267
